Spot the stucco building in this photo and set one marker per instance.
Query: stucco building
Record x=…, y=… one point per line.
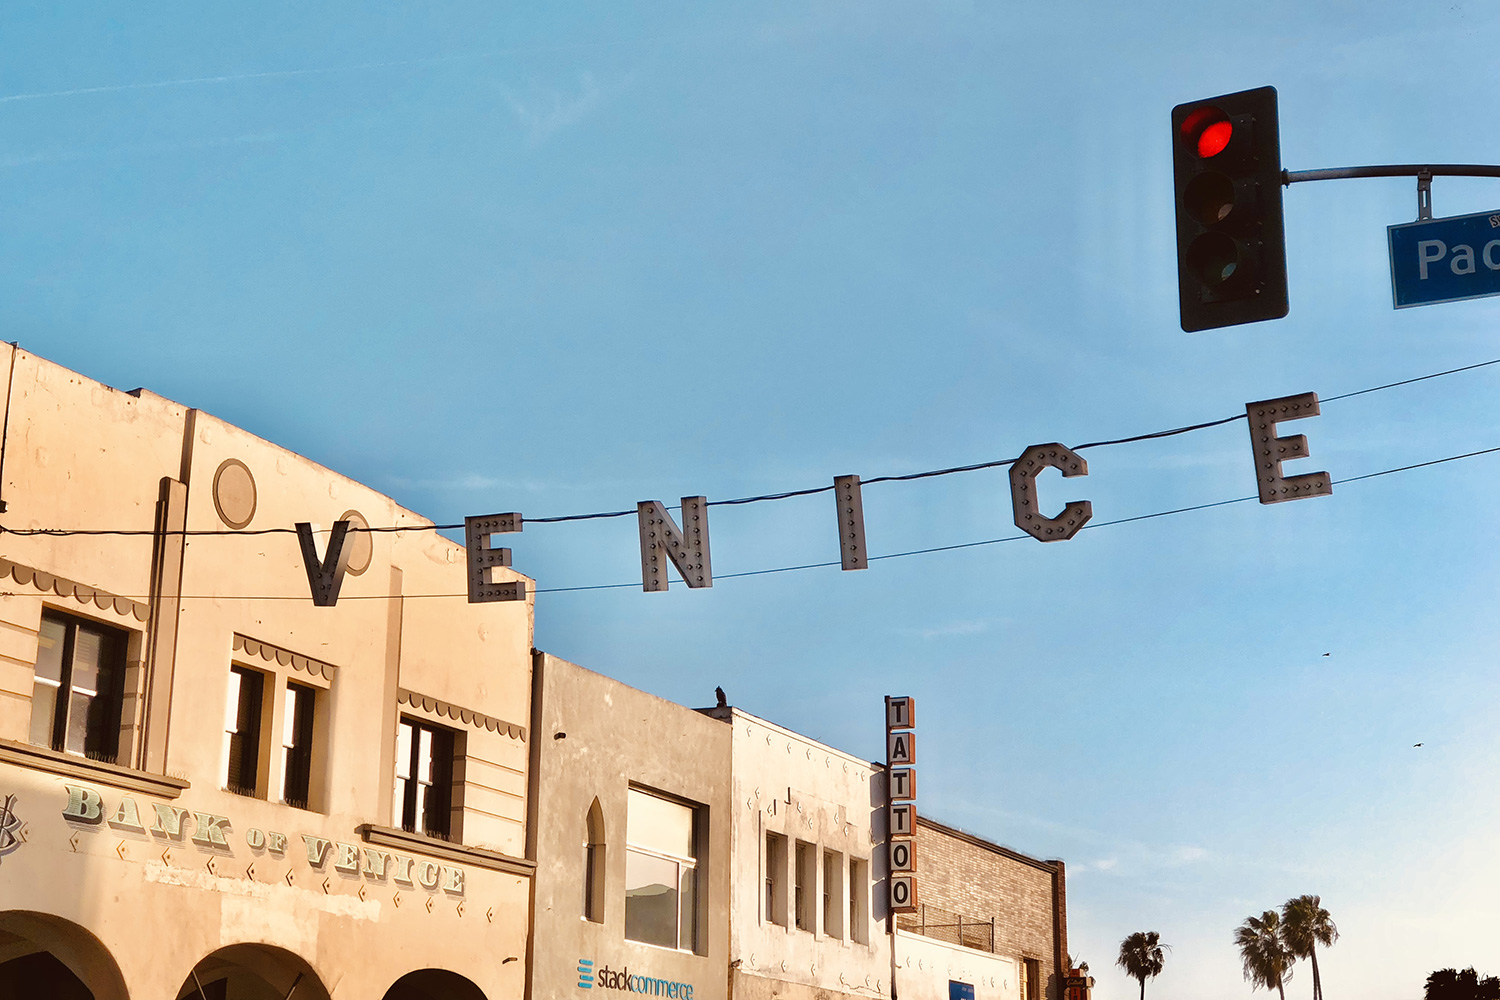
x=779, y=843
x=631, y=814
x=210, y=787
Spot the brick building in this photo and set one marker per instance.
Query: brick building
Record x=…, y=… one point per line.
x=981, y=896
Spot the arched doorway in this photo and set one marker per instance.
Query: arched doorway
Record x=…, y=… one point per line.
x=46, y=956
x=433, y=984
x=252, y=972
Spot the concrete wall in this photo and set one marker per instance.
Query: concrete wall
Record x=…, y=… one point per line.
x=78, y=454
x=926, y=967
x=787, y=784
x=595, y=738
x=1024, y=896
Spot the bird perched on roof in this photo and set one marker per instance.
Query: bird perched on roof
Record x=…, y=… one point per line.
x=719, y=694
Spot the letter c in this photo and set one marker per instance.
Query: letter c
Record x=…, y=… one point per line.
x=1023, y=498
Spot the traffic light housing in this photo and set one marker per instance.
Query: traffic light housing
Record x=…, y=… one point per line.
x=1231, y=245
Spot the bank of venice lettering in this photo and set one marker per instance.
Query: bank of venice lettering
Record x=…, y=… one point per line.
x=86, y=807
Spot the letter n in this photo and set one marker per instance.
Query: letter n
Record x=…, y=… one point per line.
x=325, y=576
x=687, y=548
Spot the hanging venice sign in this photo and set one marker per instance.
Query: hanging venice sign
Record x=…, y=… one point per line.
x=685, y=546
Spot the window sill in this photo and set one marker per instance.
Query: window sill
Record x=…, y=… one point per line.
x=479, y=857
x=661, y=947
x=70, y=766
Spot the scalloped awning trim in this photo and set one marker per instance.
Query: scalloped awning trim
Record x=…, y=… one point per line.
x=82, y=593
x=285, y=657
x=467, y=716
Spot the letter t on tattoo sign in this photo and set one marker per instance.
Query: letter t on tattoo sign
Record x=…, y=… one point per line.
x=483, y=559
x=1270, y=451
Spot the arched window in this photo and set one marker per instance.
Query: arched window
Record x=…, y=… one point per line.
x=593, y=865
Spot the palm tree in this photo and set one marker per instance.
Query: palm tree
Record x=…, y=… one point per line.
x=1451, y=984
x=1304, y=926
x=1141, y=957
x=1266, y=957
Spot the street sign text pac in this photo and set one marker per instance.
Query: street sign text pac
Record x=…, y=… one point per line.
x=1445, y=260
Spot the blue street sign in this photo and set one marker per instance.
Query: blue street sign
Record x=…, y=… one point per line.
x=1445, y=260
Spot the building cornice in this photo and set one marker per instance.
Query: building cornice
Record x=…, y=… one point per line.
x=80, y=592
x=285, y=657
x=70, y=766
x=467, y=716
x=416, y=843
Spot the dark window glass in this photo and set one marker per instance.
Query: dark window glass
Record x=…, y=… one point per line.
x=79, y=686
x=651, y=901
x=661, y=875
x=424, y=778
x=296, y=743
x=242, y=729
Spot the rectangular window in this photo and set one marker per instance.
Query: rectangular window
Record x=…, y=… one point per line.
x=423, y=797
x=242, y=730
x=79, y=686
x=776, y=879
x=661, y=872
x=296, y=744
x=833, y=894
x=806, y=880
x=859, y=901
x=1031, y=976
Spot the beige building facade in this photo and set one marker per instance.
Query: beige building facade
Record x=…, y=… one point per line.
x=213, y=788
x=210, y=787
x=631, y=831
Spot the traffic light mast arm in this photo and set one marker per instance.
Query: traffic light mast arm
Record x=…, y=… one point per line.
x=1289, y=177
x=1423, y=172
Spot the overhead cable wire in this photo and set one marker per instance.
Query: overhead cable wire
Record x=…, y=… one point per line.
x=759, y=498
x=820, y=565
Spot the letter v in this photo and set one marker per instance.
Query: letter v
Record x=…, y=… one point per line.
x=327, y=575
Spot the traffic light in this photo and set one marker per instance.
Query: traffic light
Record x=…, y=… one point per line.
x=1231, y=247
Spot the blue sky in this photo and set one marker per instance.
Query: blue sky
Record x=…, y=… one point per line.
x=491, y=259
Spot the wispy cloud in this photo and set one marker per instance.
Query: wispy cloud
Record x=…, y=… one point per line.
x=139, y=149
x=543, y=114
x=972, y=626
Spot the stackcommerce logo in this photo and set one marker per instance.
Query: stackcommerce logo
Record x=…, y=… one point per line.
x=609, y=979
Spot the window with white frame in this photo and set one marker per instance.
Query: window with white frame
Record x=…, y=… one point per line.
x=804, y=884
x=859, y=901
x=423, y=796
x=242, y=744
x=661, y=871
x=297, y=721
x=775, y=879
x=833, y=894
x=78, y=686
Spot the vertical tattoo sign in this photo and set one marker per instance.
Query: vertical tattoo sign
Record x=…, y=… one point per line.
x=901, y=805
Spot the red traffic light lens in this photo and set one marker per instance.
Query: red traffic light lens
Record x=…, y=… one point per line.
x=1207, y=131
x=1213, y=139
